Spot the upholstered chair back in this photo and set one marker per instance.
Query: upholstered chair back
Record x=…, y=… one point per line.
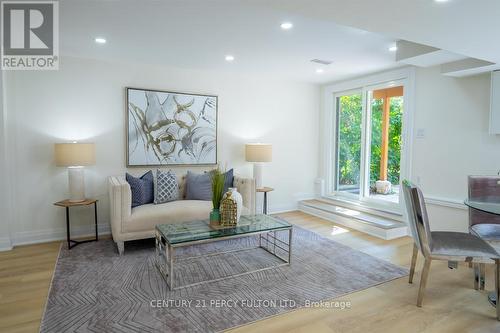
x=483, y=188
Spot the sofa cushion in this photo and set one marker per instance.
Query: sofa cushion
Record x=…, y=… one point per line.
x=199, y=186
x=166, y=187
x=142, y=188
x=146, y=217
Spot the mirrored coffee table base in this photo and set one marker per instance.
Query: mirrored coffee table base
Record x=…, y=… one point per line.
x=266, y=228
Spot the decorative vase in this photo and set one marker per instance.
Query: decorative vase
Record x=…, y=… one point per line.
x=239, y=201
x=228, y=210
x=383, y=186
x=215, y=216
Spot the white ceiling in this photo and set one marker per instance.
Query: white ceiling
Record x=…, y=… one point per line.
x=468, y=27
x=199, y=33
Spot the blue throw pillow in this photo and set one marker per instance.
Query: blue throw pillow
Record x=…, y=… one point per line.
x=199, y=186
x=229, y=181
x=142, y=188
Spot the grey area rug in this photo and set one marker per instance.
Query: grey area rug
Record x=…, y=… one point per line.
x=96, y=290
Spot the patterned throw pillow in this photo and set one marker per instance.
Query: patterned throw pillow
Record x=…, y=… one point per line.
x=142, y=188
x=166, y=187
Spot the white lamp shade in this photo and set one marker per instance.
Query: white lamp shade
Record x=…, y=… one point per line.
x=258, y=152
x=74, y=154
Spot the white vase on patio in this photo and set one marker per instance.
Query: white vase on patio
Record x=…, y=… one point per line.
x=383, y=186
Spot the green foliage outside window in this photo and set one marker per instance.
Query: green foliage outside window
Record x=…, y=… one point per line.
x=349, y=143
x=395, y=121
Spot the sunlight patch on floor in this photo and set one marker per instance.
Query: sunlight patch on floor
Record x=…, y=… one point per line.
x=338, y=230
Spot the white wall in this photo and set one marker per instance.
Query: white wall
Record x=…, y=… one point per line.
x=84, y=101
x=5, y=241
x=454, y=112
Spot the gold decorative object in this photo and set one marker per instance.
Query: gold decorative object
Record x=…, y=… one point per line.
x=228, y=211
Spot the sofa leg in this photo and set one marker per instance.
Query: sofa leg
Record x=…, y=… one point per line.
x=121, y=247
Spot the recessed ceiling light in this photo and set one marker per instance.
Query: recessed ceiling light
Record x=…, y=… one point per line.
x=393, y=48
x=229, y=58
x=441, y=0
x=286, y=25
x=320, y=70
x=100, y=40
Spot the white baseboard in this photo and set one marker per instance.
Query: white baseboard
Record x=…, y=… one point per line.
x=276, y=209
x=445, y=202
x=281, y=211
x=50, y=235
x=5, y=244
x=289, y=207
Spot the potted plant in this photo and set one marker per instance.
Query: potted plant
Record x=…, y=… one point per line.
x=218, y=179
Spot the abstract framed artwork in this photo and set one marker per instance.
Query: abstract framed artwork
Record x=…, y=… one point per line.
x=170, y=128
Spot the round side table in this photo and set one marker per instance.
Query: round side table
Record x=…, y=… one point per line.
x=265, y=190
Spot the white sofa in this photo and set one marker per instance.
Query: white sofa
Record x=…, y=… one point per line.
x=129, y=223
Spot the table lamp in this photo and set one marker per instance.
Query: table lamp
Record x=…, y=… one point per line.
x=258, y=153
x=75, y=156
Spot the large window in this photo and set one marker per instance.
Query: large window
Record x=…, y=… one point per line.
x=386, y=121
x=368, y=143
x=348, y=168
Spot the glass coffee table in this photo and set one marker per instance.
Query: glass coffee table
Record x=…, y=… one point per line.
x=172, y=236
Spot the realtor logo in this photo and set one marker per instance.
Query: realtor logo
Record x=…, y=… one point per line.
x=30, y=35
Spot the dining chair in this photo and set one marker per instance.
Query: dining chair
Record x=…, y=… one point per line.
x=483, y=224
x=442, y=245
x=483, y=188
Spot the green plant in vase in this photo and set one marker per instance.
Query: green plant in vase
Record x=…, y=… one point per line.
x=218, y=179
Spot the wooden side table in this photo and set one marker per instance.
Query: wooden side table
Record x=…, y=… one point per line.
x=67, y=204
x=265, y=190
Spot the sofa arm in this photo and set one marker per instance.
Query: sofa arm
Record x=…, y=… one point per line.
x=120, y=199
x=246, y=187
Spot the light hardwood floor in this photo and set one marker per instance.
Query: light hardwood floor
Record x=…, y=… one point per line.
x=450, y=304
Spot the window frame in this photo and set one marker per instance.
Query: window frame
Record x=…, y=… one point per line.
x=336, y=154
x=403, y=76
